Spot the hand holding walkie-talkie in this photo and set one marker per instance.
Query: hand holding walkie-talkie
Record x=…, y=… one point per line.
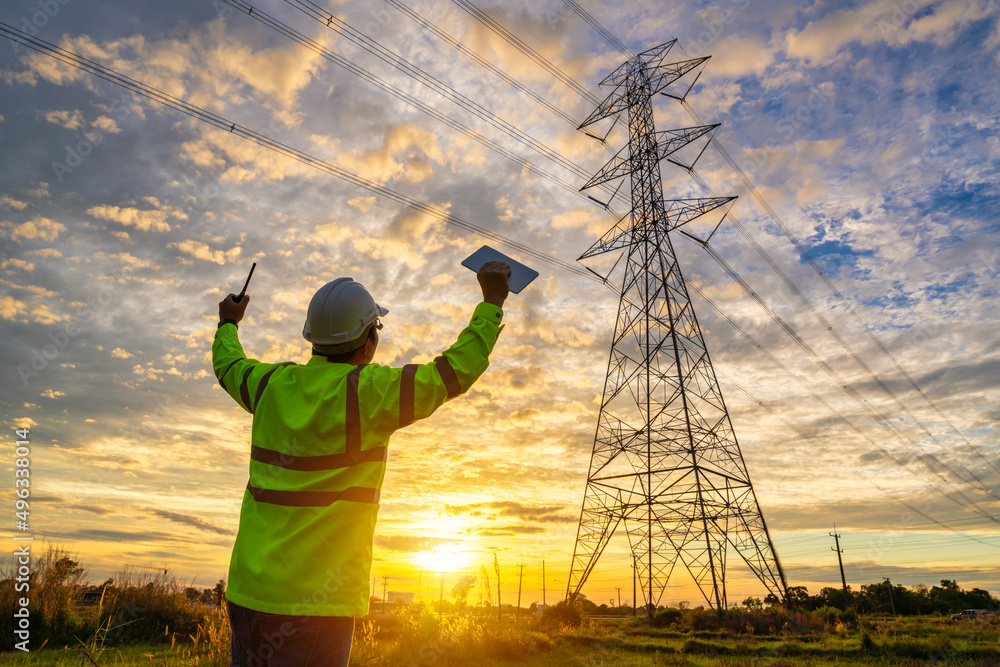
x=239, y=297
x=234, y=305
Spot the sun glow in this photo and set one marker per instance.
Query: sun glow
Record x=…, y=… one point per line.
x=446, y=558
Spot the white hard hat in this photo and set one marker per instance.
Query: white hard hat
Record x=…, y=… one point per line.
x=339, y=313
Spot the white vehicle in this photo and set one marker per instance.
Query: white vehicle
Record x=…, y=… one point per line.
x=971, y=614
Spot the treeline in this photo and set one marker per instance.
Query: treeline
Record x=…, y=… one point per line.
x=884, y=598
x=132, y=606
x=887, y=598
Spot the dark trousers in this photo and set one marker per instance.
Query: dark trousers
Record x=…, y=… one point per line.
x=278, y=640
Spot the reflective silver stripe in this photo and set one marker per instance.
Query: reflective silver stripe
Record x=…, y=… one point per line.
x=356, y=494
x=407, y=394
x=447, y=374
x=320, y=462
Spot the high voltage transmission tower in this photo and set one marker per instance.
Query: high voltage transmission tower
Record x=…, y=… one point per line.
x=666, y=462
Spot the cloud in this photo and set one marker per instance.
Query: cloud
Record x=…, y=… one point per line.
x=144, y=220
x=406, y=153
x=19, y=263
x=507, y=531
x=363, y=204
x=508, y=508
x=881, y=21
x=71, y=120
x=410, y=543
x=52, y=393
x=738, y=56
x=14, y=309
x=10, y=202
x=106, y=124
x=202, y=251
x=37, y=228
x=193, y=521
x=119, y=353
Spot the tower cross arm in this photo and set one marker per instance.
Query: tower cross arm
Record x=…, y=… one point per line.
x=667, y=143
x=615, y=238
x=660, y=77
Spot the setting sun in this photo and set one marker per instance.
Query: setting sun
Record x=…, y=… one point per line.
x=446, y=558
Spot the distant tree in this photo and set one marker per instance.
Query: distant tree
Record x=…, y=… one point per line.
x=219, y=593
x=460, y=591
x=484, y=585
x=192, y=594
x=496, y=570
x=753, y=604
x=208, y=596
x=798, y=596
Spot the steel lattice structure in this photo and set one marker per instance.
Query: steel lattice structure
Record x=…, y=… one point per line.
x=666, y=462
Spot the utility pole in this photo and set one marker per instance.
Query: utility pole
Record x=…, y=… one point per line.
x=666, y=466
x=543, y=583
x=891, y=602
x=843, y=580
x=635, y=576
x=619, y=589
x=384, y=578
x=520, y=576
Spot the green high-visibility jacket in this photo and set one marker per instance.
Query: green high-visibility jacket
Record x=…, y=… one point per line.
x=317, y=460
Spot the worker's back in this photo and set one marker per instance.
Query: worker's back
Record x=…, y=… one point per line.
x=319, y=445
x=317, y=462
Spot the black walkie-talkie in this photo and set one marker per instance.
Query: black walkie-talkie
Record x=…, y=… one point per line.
x=239, y=297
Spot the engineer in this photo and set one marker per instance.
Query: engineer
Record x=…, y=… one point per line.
x=301, y=563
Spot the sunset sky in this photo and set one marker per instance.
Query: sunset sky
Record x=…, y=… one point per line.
x=869, y=128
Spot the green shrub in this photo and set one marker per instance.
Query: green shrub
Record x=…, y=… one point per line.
x=666, y=617
x=560, y=615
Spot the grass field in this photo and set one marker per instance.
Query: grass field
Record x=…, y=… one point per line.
x=418, y=637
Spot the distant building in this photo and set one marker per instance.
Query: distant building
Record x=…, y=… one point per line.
x=405, y=596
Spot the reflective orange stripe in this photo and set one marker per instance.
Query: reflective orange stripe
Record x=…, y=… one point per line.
x=321, y=462
x=406, y=394
x=355, y=494
x=353, y=417
x=245, y=389
x=223, y=384
x=263, y=383
x=353, y=455
x=447, y=374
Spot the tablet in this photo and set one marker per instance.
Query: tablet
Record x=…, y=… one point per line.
x=520, y=275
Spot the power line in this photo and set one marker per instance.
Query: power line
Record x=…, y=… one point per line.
x=456, y=125
x=804, y=253
x=880, y=418
x=792, y=287
x=827, y=451
x=606, y=34
x=526, y=50
x=222, y=123
x=774, y=266
x=466, y=51
x=387, y=56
